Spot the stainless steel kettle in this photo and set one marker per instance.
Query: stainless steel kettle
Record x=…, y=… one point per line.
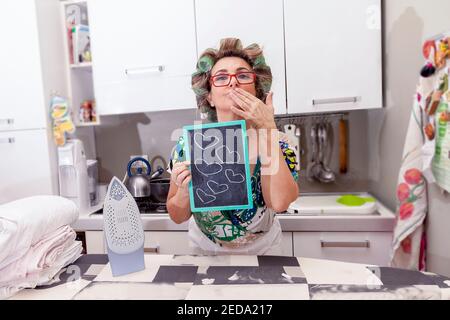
x=138, y=184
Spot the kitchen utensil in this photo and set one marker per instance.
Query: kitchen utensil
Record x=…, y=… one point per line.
x=160, y=189
x=315, y=165
x=138, y=184
x=298, y=134
x=343, y=157
x=123, y=228
x=291, y=130
x=325, y=175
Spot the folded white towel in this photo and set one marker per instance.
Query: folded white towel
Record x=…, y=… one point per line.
x=41, y=262
x=25, y=221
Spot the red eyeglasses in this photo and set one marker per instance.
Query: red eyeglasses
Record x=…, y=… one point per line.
x=224, y=79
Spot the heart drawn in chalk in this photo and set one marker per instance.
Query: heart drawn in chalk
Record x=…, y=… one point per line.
x=234, y=177
x=200, y=137
x=208, y=169
x=216, y=188
x=204, y=197
x=225, y=155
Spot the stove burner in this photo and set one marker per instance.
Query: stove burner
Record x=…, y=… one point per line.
x=147, y=205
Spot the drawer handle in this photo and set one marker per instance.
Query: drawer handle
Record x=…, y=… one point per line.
x=7, y=121
x=335, y=100
x=154, y=249
x=144, y=70
x=8, y=140
x=345, y=244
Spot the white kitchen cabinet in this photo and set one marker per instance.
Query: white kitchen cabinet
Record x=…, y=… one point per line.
x=25, y=169
x=251, y=22
x=162, y=242
x=31, y=71
x=358, y=247
x=95, y=242
x=287, y=245
x=167, y=242
x=21, y=94
x=144, y=52
x=333, y=55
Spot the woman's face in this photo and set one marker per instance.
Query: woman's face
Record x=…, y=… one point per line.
x=219, y=97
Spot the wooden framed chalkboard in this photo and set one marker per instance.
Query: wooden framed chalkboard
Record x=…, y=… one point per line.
x=220, y=168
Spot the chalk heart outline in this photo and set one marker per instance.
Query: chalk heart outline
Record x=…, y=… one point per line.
x=229, y=172
x=217, y=188
x=216, y=168
x=219, y=154
x=203, y=195
x=212, y=144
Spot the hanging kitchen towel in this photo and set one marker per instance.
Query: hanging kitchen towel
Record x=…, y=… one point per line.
x=424, y=157
x=408, y=248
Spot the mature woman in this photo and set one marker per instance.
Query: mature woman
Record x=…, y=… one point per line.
x=233, y=83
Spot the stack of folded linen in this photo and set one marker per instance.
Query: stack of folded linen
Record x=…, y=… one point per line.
x=36, y=241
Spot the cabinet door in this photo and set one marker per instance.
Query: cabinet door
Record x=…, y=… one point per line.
x=333, y=55
x=21, y=93
x=143, y=54
x=162, y=242
x=286, y=244
x=24, y=164
x=358, y=247
x=167, y=242
x=251, y=22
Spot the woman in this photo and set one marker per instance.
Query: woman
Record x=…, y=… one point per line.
x=231, y=84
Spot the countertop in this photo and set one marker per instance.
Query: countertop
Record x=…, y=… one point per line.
x=382, y=221
x=177, y=277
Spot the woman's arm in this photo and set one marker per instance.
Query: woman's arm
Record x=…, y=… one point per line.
x=278, y=185
x=178, y=203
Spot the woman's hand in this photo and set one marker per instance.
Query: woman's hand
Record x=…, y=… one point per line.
x=249, y=107
x=181, y=175
x=178, y=197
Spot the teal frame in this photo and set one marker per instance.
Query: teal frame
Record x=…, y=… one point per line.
x=249, y=204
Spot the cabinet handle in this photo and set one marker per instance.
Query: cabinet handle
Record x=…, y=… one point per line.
x=154, y=249
x=345, y=244
x=144, y=70
x=6, y=121
x=8, y=140
x=335, y=100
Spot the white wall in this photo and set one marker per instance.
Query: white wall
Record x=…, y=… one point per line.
x=407, y=24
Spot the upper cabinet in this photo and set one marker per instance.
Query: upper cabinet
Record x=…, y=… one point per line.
x=21, y=94
x=333, y=55
x=144, y=52
x=252, y=23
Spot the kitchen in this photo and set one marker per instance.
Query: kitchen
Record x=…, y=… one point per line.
x=353, y=84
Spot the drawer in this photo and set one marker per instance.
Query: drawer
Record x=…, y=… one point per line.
x=357, y=247
x=163, y=242
x=167, y=242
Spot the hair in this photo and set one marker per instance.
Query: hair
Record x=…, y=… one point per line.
x=229, y=47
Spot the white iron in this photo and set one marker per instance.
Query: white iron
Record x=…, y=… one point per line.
x=123, y=230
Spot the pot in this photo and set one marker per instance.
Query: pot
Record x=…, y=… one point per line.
x=159, y=189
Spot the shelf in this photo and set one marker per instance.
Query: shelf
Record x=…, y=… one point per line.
x=87, y=124
x=84, y=65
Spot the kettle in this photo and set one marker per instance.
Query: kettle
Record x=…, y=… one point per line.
x=138, y=184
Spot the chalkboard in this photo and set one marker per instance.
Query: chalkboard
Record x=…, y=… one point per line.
x=219, y=166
